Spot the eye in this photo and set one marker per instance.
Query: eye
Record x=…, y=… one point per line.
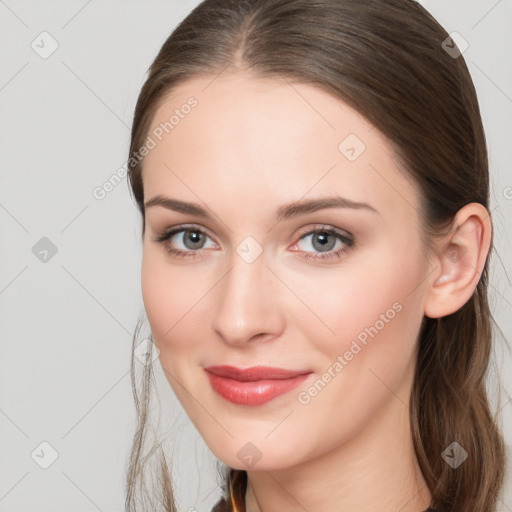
x=324, y=239
x=189, y=242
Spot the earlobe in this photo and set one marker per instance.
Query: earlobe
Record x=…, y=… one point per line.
x=460, y=261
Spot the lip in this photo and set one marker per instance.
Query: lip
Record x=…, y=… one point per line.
x=255, y=385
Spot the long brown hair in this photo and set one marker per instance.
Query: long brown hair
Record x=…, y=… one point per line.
x=388, y=60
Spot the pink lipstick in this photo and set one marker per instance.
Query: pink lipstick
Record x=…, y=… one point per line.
x=253, y=386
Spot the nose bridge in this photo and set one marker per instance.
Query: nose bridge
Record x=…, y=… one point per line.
x=245, y=300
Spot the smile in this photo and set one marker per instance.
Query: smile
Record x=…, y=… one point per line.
x=253, y=386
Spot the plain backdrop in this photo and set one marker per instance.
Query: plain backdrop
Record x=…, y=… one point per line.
x=70, y=262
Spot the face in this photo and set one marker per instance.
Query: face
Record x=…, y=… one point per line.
x=333, y=293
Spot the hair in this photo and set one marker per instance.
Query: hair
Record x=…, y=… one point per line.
x=385, y=59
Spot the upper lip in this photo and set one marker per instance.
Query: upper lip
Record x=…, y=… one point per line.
x=254, y=373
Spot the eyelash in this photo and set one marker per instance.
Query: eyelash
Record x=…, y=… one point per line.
x=349, y=242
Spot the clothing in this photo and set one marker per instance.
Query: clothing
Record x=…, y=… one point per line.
x=224, y=506
x=235, y=493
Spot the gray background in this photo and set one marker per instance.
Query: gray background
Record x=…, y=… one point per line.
x=67, y=322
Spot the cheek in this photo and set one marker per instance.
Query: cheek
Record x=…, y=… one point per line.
x=155, y=291
x=173, y=299
x=165, y=299
x=369, y=358
x=363, y=304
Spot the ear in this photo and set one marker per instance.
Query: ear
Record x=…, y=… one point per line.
x=459, y=261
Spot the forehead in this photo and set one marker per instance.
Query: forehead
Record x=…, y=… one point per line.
x=271, y=139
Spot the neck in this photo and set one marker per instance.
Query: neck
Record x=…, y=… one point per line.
x=375, y=470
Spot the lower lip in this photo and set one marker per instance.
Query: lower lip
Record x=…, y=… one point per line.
x=253, y=393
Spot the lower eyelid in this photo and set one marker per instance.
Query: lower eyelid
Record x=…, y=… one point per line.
x=166, y=237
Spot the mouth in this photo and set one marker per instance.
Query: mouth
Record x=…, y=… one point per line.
x=253, y=386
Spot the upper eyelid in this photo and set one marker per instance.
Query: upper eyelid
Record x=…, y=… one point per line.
x=188, y=227
x=318, y=227
x=307, y=231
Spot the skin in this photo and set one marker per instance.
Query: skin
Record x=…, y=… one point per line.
x=250, y=146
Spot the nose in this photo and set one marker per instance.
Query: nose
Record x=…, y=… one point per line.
x=247, y=304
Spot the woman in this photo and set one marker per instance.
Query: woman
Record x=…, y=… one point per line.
x=313, y=182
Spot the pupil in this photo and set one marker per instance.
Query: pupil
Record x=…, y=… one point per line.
x=194, y=237
x=322, y=241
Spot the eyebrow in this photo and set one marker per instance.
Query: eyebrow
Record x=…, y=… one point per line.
x=284, y=212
